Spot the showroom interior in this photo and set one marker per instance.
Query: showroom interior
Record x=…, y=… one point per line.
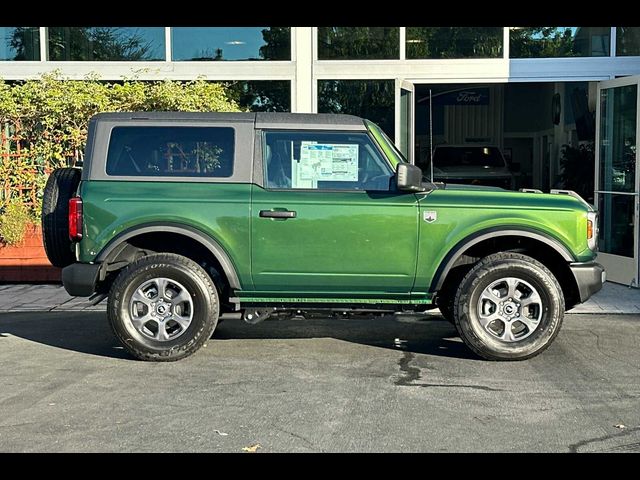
x=538, y=127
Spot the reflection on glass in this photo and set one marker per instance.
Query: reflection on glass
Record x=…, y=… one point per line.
x=616, y=224
x=230, y=43
x=543, y=42
x=357, y=43
x=19, y=43
x=261, y=95
x=454, y=42
x=618, y=138
x=106, y=43
x=372, y=99
x=627, y=41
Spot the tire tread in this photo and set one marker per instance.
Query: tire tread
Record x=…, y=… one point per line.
x=60, y=187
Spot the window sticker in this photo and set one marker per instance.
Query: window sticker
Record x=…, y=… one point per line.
x=325, y=161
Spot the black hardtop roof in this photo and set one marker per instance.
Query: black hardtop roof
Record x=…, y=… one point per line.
x=261, y=119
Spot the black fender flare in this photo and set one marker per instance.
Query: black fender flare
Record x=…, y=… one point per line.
x=456, y=252
x=188, y=231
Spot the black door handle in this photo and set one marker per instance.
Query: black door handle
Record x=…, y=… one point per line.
x=277, y=214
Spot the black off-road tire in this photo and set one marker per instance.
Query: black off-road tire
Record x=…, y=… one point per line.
x=196, y=281
x=495, y=267
x=445, y=305
x=445, y=300
x=61, y=186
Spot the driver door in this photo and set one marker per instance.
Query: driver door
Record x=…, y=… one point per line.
x=326, y=221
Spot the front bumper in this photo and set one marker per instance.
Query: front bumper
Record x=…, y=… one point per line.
x=589, y=277
x=80, y=279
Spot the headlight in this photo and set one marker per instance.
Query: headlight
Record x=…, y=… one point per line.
x=592, y=230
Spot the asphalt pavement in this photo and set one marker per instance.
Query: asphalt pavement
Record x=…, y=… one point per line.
x=396, y=384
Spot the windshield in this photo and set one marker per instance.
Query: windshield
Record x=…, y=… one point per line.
x=467, y=157
x=389, y=148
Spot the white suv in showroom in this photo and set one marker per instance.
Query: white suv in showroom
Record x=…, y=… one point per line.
x=472, y=164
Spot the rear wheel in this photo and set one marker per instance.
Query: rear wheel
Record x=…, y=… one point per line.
x=508, y=307
x=61, y=186
x=163, y=307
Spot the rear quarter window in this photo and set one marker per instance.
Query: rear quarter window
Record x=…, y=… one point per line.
x=171, y=152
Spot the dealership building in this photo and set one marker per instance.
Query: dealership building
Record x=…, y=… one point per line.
x=560, y=103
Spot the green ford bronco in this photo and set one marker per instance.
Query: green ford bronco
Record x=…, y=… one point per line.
x=181, y=218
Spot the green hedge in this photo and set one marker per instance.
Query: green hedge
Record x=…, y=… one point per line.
x=50, y=116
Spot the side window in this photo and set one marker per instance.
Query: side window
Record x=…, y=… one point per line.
x=171, y=151
x=323, y=161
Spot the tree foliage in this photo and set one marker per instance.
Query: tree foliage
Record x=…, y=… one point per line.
x=102, y=43
x=358, y=43
x=547, y=42
x=261, y=95
x=372, y=99
x=539, y=42
x=277, y=43
x=24, y=43
x=454, y=42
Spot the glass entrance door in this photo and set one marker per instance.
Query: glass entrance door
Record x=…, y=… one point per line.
x=617, y=185
x=404, y=119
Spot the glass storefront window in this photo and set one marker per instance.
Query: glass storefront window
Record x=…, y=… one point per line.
x=358, y=43
x=618, y=139
x=627, y=41
x=106, y=43
x=230, y=43
x=549, y=42
x=616, y=224
x=19, y=43
x=618, y=142
x=261, y=95
x=454, y=42
x=371, y=99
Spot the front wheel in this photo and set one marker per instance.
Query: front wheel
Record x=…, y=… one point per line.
x=163, y=307
x=508, y=307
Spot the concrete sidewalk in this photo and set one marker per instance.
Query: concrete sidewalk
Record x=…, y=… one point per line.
x=612, y=299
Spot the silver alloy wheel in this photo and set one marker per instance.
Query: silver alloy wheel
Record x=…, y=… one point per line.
x=161, y=309
x=510, y=309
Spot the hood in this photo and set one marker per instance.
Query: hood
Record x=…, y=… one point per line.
x=479, y=195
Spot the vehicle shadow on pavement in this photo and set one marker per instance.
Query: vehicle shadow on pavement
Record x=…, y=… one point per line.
x=89, y=332
x=84, y=332
x=431, y=335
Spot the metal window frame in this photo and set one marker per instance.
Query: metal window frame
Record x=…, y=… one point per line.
x=304, y=69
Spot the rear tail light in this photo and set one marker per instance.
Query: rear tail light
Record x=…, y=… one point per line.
x=75, y=219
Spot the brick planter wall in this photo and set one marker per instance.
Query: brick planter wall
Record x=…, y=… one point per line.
x=27, y=261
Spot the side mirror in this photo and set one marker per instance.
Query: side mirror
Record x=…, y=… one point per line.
x=409, y=178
